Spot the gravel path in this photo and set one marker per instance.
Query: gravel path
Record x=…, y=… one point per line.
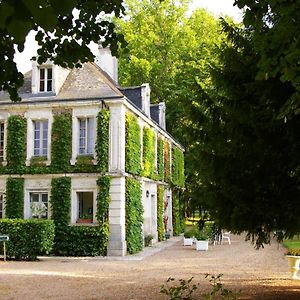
x=259, y=274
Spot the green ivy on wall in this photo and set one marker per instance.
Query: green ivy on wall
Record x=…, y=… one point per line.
x=102, y=142
x=167, y=161
x=177, y=166
x=103, y=200
x=134, y=216
x=133, y=145
x=61, y=142
x=177, y=213
x=160, y=212
x=148, y=152
x=60, y=207
x=160, y=159
x=14, y=203
x=16, y=144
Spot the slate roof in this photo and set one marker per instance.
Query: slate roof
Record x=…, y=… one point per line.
x=88, y=82
x=134, y=94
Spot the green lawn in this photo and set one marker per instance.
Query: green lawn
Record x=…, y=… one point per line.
x=292, y=243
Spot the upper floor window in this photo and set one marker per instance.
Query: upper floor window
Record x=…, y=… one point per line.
x=1, y=141
x=86, y=136
x=39, y=205
x=45, y=79
x=40, y=138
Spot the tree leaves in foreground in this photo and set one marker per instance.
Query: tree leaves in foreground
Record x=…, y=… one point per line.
x=63, y=38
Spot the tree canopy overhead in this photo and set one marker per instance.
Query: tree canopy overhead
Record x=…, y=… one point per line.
x=62, y=37
x=276, y=35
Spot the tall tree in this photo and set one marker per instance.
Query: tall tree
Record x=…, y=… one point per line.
x=63, y=38
x=248, y=158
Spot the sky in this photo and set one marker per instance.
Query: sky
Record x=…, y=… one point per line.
x=217, y=7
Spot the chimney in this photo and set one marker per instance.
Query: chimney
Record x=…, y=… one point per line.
x=158, y=114
x=107, y=62
x=145, y=95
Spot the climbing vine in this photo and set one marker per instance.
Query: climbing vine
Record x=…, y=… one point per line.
x=177, y=167
x=160, y=212
x=148, y=152
x=60, y=207
x=177, y=213
x=103, y=200
x=133, y=145
x=167, y=161
x=61, y=140
x=160, y=159
x=134, y=216
x=102, y=142
x=16, y=144
x=14, y=204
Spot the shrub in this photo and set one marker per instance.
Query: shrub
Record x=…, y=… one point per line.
x=28, y=238
x=294, y=252
x=14, y=198
x=82, y=241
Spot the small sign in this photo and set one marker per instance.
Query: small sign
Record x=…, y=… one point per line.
x=4, y=238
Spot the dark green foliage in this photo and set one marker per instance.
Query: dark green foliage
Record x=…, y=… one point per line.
x=16, y=143
x=82, y=241
x=148, y=152
x=133, y=145
x=103, y=200
x=177, y=212
x=177, y=166
x=102, y=142
x=160, y=212
x=60, y=206
x=160, y=159
x=14, y=203
x=61, y=142
x=134, y=216
x=247, y=156
x=84, y=164
x=28, y=238
x=275, y=27
x=53, y=21
x=61, y=201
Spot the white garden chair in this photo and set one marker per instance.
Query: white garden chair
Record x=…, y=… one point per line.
x=225, y=236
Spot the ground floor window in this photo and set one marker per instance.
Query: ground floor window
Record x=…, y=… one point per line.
x=85, y=202
x=39, y=205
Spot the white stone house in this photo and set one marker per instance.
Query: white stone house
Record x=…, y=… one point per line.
x=84, y=92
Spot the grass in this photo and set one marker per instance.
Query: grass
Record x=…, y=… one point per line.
x=293, y=243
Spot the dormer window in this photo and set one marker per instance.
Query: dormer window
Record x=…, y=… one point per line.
x=46, y=79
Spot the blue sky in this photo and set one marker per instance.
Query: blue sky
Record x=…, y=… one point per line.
x=217, y=7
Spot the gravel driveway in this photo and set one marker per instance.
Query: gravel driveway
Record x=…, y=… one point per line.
x=259, y=274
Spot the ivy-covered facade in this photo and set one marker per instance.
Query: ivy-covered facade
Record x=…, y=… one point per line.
x=90, y=155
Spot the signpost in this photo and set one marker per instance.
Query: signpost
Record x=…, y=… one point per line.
x=4, y=238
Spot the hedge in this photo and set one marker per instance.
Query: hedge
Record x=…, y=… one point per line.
x=82, y=241
x=27, y=238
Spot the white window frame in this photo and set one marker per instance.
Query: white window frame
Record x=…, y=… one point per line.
x=39, y=193
x=88, y=139
x=46, y=79
x=41, y=138
x=74, y=204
